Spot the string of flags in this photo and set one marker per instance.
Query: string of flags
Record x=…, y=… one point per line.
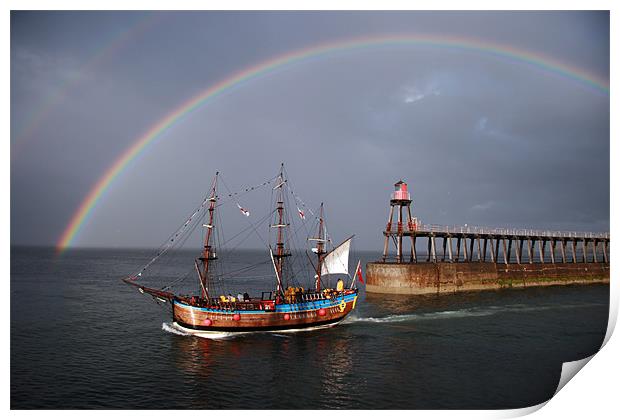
x=251, y=188
x=301, y=202
x=302, y=214
x=169, y=243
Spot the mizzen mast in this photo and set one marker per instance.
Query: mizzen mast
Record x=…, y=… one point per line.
x=208, y=252
x=320, y=248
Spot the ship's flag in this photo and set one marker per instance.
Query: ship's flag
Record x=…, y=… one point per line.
x=301, y=214
x=358, y=271
x=243, y=211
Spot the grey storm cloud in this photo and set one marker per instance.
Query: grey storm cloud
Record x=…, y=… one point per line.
x=481, y=139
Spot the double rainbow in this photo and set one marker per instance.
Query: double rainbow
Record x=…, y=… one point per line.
x=85, y=210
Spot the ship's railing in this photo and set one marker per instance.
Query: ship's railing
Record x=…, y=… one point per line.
x=257, y=304
x=313, y=296
x=480, y=230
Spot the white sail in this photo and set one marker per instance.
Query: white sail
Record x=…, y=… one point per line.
x=337, y=261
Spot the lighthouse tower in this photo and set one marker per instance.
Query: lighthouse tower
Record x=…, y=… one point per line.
x=400, y=201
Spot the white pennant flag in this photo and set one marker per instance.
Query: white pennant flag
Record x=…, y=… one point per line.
x=243, y=211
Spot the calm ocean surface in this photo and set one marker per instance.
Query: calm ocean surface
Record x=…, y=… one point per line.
x=80, y=338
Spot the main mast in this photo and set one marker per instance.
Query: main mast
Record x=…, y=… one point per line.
x=280, y=225
x=208, y=252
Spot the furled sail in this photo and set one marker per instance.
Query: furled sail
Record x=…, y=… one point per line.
x=337, y=261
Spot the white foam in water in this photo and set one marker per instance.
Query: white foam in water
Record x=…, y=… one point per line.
x=462, y=313
x=175, y=329
x=421, y=316
x=171, y=329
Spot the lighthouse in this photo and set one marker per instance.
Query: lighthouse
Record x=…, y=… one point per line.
x=401, y=202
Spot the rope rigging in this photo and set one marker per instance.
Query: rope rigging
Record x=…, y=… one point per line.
x=191, y=222
x=287, y=223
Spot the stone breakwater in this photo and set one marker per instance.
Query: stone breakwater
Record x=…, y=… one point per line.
x=445, y=277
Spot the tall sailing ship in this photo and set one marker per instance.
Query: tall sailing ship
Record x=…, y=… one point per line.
x=288, y=305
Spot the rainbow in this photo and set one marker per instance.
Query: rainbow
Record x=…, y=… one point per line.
x=548, y=64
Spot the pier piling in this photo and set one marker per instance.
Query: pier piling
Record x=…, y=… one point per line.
x=479, y=244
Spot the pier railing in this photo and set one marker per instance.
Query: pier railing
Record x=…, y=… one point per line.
x=480, y=230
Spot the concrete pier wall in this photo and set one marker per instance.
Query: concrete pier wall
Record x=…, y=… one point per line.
x=445, y=277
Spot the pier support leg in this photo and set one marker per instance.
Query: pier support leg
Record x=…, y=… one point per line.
x=594, y=250
x=479, y=250
x=552, y=245
x=465, y=253
x=484, y=250
x=509, y=248
x=584, y=249
x=413, y=257
x=563, y=249
x=399, y=245
x=574, y=249
x=529, y=250
x=496, y=249
x=493, y=257
x=458, y=249
x=519, y=250
x=541, y=250
x=504, y=249
x=445, y=241
x=433, y=248
x=388, y=230
x=471, y=249
x=428, y=251
x=605, y=259
x=450, y=249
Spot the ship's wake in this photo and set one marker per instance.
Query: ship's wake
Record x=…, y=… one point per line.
x=463, y=313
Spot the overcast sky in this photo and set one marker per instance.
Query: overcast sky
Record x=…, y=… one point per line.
x=482, y=140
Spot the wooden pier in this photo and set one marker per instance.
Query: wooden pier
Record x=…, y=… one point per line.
x=480, y=244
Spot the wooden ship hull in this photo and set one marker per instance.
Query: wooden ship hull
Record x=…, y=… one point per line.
x=275, y=317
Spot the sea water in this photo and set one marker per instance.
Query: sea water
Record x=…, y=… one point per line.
x=81, y=338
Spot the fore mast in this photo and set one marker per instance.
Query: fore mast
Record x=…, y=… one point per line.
x=208, y=252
